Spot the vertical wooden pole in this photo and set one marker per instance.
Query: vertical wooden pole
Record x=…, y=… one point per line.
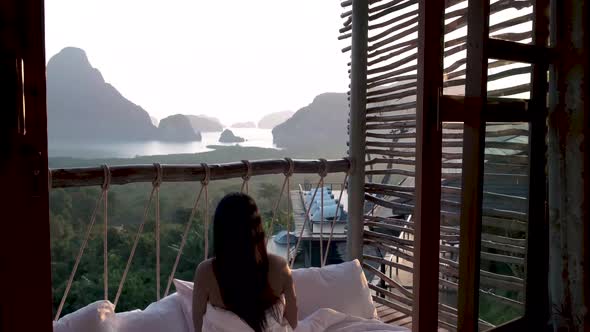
x=537, y=264
x=428, y=166
x=472, y=177
x=25, y=257
x=568, y=168
x=358, y=109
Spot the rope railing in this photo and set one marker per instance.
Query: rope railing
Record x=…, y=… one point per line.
x=184, y=237
x=246, y=177
x=205, y=183
x=125, y=174
x=276, y=208
x=80, y=253
x=135, y=243
x=306, y=219
x=106, y=176
x=288, y=175
x=105, y=188
x=336, y=216
x=157, y=182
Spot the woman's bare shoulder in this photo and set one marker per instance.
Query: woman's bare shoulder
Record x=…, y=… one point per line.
x=204, y=270
x=277, y=262
x=279, y=266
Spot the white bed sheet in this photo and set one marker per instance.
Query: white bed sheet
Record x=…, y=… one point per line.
x=322, y=320
x=328, y=320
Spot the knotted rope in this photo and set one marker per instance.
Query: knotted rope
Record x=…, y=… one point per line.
x=156, y=183
x=291, y=168
x=246, y=177
x=205, y=184
x=105, y=247
x=80, y=253
x=288, y=175
x=275, y=209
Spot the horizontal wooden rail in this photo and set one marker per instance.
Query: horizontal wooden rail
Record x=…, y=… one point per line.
x=94, y=176
x=459, y=108
x=518, y=52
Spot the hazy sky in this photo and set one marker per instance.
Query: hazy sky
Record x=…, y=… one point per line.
x=236, y=60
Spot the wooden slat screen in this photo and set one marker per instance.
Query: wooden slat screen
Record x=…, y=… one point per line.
x=391, y=148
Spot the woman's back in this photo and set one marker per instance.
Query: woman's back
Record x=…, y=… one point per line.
x=207, y=290
x=242, y=277
x=279, y=279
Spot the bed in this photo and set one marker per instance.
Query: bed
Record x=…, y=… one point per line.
x=332, y=298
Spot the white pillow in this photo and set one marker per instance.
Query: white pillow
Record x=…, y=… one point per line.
x=164, y=315
x=342, y=287
x=92, y=318
x=185, y=290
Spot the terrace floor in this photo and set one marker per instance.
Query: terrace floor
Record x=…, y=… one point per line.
x=394, y=317
x=299, y=217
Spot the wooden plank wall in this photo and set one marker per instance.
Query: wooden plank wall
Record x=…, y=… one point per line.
x=391, y=149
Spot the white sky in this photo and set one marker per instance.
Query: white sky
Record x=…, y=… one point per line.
x=236, y=60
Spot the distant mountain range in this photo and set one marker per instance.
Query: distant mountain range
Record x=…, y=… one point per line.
x=82, y=106
x=204, y=123
x=272, y=120
x=318, y=127
x=248, y=124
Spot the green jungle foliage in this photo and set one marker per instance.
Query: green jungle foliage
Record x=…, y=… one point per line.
x=71, y=210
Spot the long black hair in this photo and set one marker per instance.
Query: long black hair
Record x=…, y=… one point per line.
x=241, y=262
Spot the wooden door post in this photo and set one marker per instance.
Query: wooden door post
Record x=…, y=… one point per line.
x=428, y=165
x=358, y=109
x=25, y=257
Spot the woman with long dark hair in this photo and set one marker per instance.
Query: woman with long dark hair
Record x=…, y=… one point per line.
x=241, y=277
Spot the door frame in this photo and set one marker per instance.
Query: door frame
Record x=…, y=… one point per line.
x=25, y=254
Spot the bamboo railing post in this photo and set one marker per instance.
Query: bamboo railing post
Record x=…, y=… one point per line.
x=358, y=108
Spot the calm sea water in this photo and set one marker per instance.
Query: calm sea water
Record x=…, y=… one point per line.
x=254, y=137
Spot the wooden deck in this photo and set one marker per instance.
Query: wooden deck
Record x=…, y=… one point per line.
x=299, y=218
x=391, y=316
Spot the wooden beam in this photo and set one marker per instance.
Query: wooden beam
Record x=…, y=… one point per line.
x=428, y=165
x=25, y=255
x=358, y=112
x=94, y=176
x=473, y=152
x=459, y=108
x=518, y=52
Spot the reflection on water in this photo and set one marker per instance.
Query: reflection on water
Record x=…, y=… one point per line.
x=254, y=137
